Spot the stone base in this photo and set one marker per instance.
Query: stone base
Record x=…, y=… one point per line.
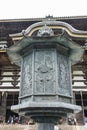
x=64, y=107
x=45, y=112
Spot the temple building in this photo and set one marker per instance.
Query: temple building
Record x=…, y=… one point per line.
x=11, y=30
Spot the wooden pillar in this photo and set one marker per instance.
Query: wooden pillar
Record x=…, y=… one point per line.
x=74, y=100
x=82, y=104
x=3, y=106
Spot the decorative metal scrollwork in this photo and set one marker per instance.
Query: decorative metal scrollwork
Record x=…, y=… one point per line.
x=45, y=31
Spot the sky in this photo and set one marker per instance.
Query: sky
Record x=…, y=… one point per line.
x=17, y=9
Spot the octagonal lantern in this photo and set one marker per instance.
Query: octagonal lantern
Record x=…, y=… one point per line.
x=46, y=86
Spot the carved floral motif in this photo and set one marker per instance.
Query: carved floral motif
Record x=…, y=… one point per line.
x=27, y=75
x=63, y=75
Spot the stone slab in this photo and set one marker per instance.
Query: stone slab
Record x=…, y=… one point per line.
x=57, y=105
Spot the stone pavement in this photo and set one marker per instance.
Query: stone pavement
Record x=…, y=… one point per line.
x=67, y=127
x=18, y=127
x=34, y=127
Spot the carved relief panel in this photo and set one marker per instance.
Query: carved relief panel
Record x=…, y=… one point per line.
x=51, y=73
x=44, y=71
x=26, y=83
x=63, y=75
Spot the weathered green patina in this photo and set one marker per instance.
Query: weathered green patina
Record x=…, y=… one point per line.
x=45, y=91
